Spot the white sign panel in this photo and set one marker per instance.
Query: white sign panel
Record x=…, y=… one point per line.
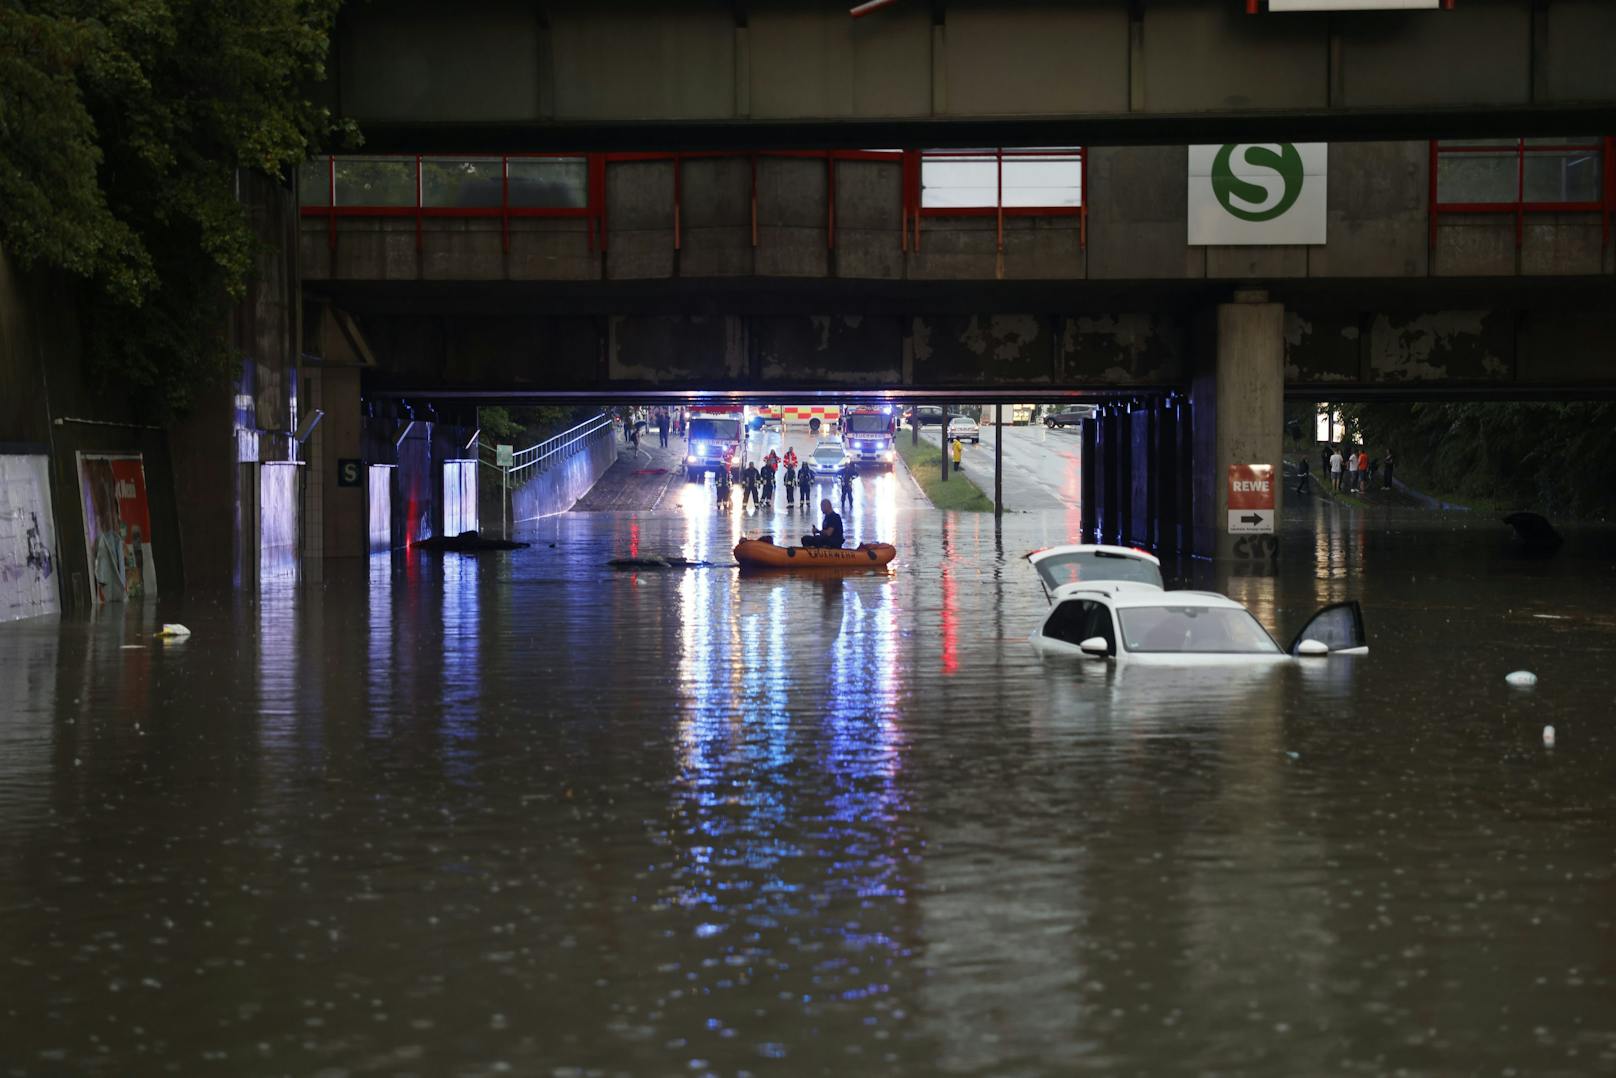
x=1251, y=520
x=1248, y=193
x=1352, y=5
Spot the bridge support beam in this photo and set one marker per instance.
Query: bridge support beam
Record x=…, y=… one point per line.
x=1238, y=405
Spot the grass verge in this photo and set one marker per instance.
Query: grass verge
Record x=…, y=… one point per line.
x=923, y=462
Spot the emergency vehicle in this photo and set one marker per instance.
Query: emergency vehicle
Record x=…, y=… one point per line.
x=715, y=437
x=867, y=433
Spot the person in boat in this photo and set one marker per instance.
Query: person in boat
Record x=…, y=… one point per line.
x=829, y=534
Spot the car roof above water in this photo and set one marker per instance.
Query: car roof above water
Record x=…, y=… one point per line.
x=1131, y=593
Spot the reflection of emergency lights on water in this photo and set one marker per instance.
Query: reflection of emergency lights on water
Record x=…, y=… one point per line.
x=461, y=653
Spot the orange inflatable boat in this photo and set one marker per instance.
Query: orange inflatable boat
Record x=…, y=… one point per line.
x=762, y=554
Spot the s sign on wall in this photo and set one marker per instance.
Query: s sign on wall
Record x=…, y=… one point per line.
x=1248, y=193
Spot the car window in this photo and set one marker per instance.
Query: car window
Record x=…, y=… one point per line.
x=1092, y=565
x=1339, y=627
x=1075, y=620
x=1194, y=629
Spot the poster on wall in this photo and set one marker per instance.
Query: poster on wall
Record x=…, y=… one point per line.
x=117, y=526
x=28, y=585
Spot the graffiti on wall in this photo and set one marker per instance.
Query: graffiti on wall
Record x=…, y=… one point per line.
x=117, y=526
x=28, y=584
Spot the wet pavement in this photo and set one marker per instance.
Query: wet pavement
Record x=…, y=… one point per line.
x=528, y=814
x=1041, y=472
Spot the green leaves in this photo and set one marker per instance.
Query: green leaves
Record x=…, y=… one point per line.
x=122, y=126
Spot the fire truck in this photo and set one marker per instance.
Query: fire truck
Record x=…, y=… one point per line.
x=715, y=438
x=867, y=433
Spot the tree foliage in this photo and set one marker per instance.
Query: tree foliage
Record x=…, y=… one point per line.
x=1557, y=459
x=122, y=126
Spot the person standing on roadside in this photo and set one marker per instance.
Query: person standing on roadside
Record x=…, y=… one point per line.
x=1363, y=469
x=1301, y=468
x=1352, y=468
x=662, y=426
x=1386, y=472
x=1335, y=469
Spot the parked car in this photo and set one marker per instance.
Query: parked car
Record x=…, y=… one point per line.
x=1108, y=603
x=1069, y=417
x=963, y=428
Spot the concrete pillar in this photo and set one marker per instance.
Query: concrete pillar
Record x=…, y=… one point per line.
x=345, y=520
x=1113, y=475
x=1239, y=415
x=1089, y=468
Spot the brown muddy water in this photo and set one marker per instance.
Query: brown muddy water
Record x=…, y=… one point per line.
x=532, y=815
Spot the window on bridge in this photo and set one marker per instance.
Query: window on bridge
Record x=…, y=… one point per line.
x=1482, y=175
x=1043, y=179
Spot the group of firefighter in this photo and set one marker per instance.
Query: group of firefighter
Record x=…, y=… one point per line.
x=758, y=483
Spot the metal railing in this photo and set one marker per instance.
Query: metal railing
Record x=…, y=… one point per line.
x=539, y=457
x=542, y=455
x=1523, y=176
x=1040, y=182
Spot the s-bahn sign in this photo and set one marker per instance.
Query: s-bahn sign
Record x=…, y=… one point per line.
x=1251, y=498
x=1247, y=193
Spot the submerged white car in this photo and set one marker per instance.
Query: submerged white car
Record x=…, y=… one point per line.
x=1108, y=603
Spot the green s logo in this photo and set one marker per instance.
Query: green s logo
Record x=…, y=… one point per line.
x=1257, y=201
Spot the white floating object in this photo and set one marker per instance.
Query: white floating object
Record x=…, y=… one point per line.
x=173, y=631
x=1548, y=737
x=1521, y=679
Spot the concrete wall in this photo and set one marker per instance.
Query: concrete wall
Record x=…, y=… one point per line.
x=48, y=402
x=557, y=488
x=1331, y=345
x=509, y=61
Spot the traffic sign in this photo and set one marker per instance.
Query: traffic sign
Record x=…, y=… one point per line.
x=350, y=472
x=1251, y=498
x=504, y=456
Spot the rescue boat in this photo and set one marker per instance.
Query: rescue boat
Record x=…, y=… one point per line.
x=763, y=554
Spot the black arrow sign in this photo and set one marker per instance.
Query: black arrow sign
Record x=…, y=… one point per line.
x=1254, y=518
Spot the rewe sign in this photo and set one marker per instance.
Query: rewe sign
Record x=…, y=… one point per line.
x=1251, y=498
x=1246, y=193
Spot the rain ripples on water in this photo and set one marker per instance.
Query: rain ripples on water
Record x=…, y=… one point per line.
x=536, y=815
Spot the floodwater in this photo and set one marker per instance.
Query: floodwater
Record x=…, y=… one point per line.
x=533, y=815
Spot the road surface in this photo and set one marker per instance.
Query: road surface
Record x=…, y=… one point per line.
x=1041, y=472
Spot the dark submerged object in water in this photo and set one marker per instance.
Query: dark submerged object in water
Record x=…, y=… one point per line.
x=1536, y=532
x=468, y=543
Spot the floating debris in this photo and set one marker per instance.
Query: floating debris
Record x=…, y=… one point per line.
x=1548, y=737
x=468, y=543
x=1521, y=679
x=173, y=631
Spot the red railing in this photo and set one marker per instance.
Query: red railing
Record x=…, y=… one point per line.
x=1519, y=153
x=408, y=174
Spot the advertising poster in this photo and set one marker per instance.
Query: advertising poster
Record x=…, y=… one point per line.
x=27, y=538
x=117, y=526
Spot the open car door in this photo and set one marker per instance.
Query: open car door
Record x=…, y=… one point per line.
x=1339, y=627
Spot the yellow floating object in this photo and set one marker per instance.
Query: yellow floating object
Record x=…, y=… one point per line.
x=757, y=554
x=173, y=631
